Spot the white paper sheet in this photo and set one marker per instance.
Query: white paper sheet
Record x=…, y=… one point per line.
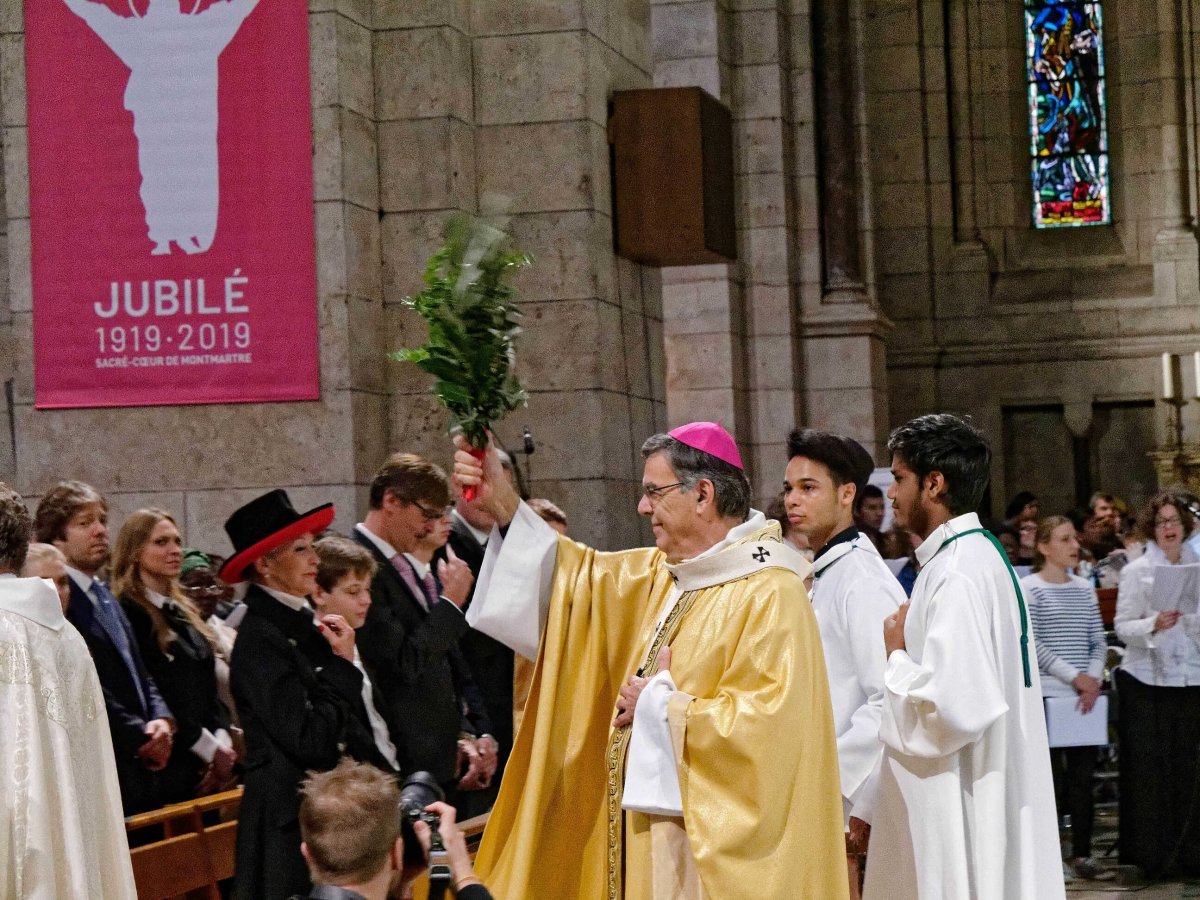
x=1176, y=588
x=1066, y=726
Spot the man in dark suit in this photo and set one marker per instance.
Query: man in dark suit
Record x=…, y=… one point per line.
x=490, y=661
x=410, y=636
x=74, y=518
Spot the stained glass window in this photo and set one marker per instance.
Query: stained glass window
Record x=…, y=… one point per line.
x=1067, y=117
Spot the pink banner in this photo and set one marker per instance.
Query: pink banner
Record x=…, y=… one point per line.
x=171, y=202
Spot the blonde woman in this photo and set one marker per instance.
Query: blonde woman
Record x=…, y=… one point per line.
x=179, y=651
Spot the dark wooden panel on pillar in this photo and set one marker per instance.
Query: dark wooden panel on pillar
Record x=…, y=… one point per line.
x=673, y=200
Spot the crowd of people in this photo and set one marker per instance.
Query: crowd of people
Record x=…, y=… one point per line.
x=300, y=648
x=306, y=651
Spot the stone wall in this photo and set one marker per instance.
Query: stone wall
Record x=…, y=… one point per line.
x=957, y=302
x=886, y=265
x=420, y=109
x=770, y=342
x=992, y=314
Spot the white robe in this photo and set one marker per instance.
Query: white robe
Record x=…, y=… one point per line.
x=964, y=808
x=853, y=592
x=61, y=832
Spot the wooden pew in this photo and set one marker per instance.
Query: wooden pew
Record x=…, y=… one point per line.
x=1108, y=605
x=192, y=857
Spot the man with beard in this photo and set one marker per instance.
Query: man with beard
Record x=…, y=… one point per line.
x=853, y=591
x=74, y=518
x=965, y=803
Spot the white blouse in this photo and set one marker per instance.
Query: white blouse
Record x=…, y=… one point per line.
x=1168, y=658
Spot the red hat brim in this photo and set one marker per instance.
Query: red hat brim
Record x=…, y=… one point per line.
x=315, y=521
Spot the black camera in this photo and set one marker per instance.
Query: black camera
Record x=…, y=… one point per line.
x=417, y=792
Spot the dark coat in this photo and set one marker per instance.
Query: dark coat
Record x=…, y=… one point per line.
x=490, y=661
x=127, y=715
x=411, y=653
x=301, y=709
x=187, y=678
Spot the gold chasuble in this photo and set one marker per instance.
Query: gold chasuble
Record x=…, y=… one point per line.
x=750, y=722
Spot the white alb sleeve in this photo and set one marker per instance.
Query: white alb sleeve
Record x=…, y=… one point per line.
x=512, y=593
x=651, y=778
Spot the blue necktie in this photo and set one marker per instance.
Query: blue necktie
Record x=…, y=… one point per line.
x=112, y=621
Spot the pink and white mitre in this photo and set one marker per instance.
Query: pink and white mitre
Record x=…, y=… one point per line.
x=710, y=438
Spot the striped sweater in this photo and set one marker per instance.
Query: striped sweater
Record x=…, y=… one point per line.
x=1067, y=631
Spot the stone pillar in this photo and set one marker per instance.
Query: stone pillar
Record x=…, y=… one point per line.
x=15, y=207
x=843, y=327
x=732, y=334
x=833, y=77
x=1159, y=66
x=703, y=306
x=425, y=112
x=764, y=70
x=347, y=194
x=591, y=356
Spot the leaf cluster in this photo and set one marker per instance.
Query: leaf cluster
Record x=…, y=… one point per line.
x=469, y=308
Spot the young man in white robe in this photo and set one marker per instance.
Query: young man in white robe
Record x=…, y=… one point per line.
x=62, y=834
x=964, y=808
x=853, y=591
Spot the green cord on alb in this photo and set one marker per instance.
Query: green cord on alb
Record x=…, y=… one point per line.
x=468, y=306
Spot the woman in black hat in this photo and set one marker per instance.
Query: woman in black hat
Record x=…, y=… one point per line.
x=297, y=690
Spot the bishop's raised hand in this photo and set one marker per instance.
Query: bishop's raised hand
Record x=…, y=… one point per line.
x=493, y=490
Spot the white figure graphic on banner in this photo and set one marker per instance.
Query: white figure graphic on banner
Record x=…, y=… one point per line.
x=172, y=92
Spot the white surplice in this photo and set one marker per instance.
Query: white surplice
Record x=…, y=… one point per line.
x=964, y=805
x=853, y=592
x=62, y=836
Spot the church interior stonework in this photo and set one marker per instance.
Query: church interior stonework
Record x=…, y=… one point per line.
x=906, y=243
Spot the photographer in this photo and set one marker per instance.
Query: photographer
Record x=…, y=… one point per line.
x=350, y=822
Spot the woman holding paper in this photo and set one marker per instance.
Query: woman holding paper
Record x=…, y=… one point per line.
x=1159, y=689
x=1071, y=650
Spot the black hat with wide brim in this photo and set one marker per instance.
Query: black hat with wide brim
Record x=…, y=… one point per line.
x=265, y=523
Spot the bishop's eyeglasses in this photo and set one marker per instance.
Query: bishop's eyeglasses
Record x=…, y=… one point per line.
x=654, y=494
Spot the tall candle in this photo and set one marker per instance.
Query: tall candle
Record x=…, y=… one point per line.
x=1196, y=371
x=1172, y=377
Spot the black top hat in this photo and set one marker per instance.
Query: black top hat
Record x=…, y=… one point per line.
x=265, y=523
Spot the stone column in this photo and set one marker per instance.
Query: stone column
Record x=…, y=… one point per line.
x=767, y=232
x=347, y=194
x=425, y=111
x=703, y=306
x=15, y=207
x=591, y=355
x=843, y=327
x=833, y=78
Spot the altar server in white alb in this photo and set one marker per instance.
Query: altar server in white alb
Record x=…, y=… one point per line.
x=853, y=591
x=965, y=802
x=62, y=836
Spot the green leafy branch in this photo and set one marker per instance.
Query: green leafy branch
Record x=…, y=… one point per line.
x=468, y=306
